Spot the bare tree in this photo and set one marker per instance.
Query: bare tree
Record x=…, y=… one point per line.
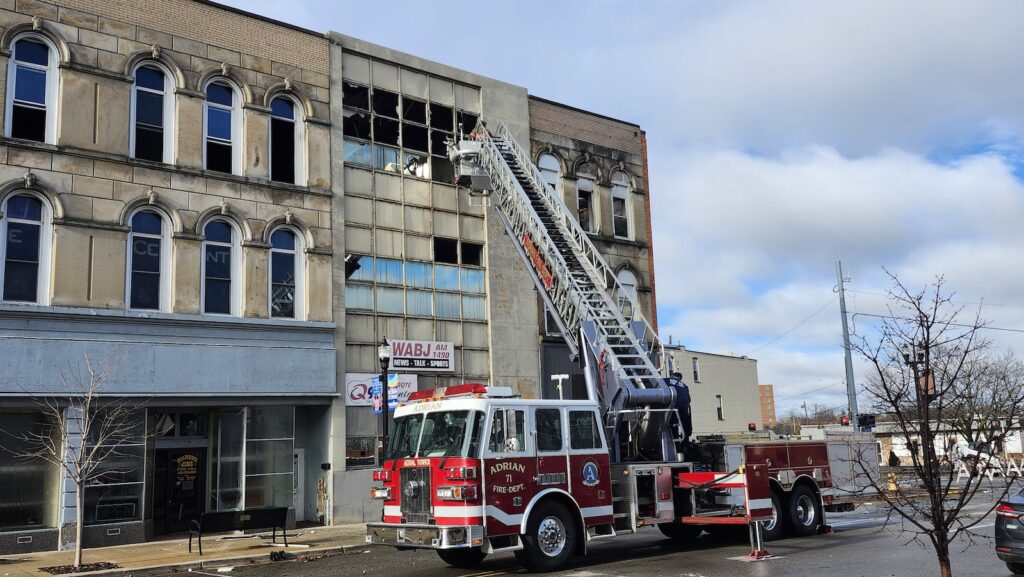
x=84, y=434
x=935, y=377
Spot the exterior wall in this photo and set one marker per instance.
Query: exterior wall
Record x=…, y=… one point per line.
x=383, y=213
x=576, y=137
x=767, y=395
x=734, y=378
x=92, y=185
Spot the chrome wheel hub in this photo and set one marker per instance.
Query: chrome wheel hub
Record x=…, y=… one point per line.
x=551, y=536
x=805, y=511
x=769, y=525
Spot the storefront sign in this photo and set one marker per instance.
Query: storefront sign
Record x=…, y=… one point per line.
x=363, y=390
x=423, y=356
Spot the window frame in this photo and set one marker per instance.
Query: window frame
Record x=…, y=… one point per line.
x=298, y=253
x=586, y=174
x=168, y=112
x=299, y=135
x=720, y=407
x=621, y=189
x=545, y=171
x=52, y=70
x=627, y=292
x=45, y=223
x=166, y=250
x=695, y=367
x=235, y=292
x=236, y=124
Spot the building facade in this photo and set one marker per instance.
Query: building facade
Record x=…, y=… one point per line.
x=767, y=394
x=181, y=189
x=723, y=390
x=165, y=189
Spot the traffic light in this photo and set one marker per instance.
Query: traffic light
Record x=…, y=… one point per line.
x=845, y=421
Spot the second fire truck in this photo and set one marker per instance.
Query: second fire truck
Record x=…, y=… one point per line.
x=472, y=470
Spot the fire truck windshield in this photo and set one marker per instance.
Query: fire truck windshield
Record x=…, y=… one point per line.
x=436, y=434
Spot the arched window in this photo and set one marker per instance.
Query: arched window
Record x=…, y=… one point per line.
x=25, y=250
x=585, y=177
x=149, y=262
x=221, y=268
x=622, y=209
x=286, y=275
x=627, y=291
x=286, y=141
x=551, y=171
x=32, y=90
x=223, y=128
x=152, y=114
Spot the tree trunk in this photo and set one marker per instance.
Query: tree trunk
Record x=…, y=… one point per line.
x=944, y=569
x=79, y=516
x=942, y=550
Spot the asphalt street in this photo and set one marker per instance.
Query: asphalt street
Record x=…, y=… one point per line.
x=861, y=546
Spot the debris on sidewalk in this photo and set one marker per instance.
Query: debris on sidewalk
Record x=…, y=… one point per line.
x=70, y=569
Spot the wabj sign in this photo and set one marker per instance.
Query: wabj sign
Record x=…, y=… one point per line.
x=423, y=356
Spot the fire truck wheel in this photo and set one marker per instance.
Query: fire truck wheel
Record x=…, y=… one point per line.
x=772, y=528
x=550, y=538
x=462, y=558
x=803, y=511
x=679, y=532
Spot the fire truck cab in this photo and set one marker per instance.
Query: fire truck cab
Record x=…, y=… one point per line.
x=472, y=470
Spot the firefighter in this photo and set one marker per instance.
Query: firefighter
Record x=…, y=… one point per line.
x=682, y=404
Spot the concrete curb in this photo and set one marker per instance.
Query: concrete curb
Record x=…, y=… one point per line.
x=185, y=567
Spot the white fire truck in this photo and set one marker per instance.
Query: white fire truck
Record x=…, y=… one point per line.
x=472, y=470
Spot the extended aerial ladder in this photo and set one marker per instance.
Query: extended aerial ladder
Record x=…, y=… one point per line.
x=623, y=357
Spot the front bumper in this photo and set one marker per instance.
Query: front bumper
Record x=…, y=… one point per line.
x=424, y=536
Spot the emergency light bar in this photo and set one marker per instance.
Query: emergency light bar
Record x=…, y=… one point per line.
x=470, y=389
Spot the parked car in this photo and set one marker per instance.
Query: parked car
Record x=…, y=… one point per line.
x=1010, y=532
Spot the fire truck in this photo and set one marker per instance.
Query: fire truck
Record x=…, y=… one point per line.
x=472, y=470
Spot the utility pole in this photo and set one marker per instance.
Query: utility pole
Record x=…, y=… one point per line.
x=851, y=387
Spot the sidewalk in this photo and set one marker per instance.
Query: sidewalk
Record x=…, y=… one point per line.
x=167, y=556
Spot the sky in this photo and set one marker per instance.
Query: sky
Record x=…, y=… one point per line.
x=783, y=136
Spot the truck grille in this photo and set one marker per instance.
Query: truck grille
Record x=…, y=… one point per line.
x=416, y=494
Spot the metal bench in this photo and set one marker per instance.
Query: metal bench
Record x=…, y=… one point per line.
x=244, y=520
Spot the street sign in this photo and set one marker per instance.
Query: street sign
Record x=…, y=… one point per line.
x=423, y=356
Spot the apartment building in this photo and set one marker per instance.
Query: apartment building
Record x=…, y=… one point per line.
x=723, y=388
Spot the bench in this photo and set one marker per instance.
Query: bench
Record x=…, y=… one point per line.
x=244, y=520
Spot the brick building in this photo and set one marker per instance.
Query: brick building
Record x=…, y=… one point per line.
x=767, y=394
x=180, y=188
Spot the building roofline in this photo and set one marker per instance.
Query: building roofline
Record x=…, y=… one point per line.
x=683, y=348
x=619, y=120
x=281, y=23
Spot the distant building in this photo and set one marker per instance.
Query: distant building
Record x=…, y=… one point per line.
x=724, y=389
x=767, y=405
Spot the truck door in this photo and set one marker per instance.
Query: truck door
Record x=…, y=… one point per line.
x=508, y=470
x=589, y=469
x=552, y=462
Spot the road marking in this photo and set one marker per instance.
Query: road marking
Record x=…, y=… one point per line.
x=485, y=574
x=982, y=526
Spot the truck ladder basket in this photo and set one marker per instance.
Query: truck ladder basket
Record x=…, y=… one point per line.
x=757, y=498
x=575, y=282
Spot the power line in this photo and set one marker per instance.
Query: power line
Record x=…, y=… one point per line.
x=798, y=325
x=962, y=325
x=811, y=391
x=977, y=303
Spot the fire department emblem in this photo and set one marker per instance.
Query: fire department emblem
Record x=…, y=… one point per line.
x=591, y=474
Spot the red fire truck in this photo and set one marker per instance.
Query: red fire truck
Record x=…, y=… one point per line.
x=472, y=470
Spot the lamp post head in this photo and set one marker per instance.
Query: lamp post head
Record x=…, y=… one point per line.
x=384, y=354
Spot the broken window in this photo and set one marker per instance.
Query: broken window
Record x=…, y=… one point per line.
x=441, y=117
x=442, y=170
x=356, y=124
x=472, y=253
x=414, y=110
x=437, y=142
x=357, y=153
x=446, y=250
x=385, y=130
x=414, y=137
x=385, y=102
x=584, y=197
x=356, y=96
x=416, y=165
x=467, y=122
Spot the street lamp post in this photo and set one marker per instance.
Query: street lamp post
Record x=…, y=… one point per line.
x=384, y=356
x=915, y=356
